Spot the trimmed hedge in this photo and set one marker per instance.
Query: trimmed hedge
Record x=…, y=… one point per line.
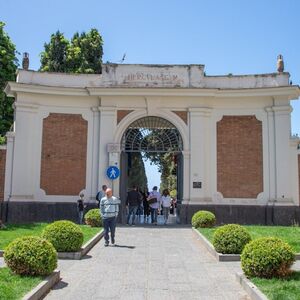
x=203, y=218
x=93, y=218
x=231, y=239
x=267, y=257
x=31, y=255
x=65, y=236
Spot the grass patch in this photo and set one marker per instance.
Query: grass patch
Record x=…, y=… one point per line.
x=15, y=286
x=289, y=234
x=280, y=289
x=14, y=231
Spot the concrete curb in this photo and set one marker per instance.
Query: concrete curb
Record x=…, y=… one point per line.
x=44, y=287
x=251, y=289
x=84, y=250
x=77, y=255
x=219, y=256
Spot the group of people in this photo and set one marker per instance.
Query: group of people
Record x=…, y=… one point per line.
x=151, y=204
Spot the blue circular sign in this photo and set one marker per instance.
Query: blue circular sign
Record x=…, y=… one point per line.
x=113, y=172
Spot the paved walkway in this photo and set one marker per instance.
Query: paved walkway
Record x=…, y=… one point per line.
x=149, y=263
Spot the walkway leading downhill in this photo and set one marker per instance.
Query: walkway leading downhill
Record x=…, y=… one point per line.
x=149, y=263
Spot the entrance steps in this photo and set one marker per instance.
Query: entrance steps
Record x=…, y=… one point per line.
x=172, y=220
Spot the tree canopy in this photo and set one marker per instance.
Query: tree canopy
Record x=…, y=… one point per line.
x=83, y=54
x=8, y=67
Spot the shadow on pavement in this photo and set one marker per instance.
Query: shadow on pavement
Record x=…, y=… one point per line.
x=60, y=285
x=124, y=246
x=86, y=257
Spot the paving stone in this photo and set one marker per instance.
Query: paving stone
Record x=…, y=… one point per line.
x=150, y=263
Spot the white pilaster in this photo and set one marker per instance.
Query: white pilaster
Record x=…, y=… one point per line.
x=10, y=139
x=25, y=152
x=107, y=126
x=200, y=145
x=186, y=176
x=282, y=129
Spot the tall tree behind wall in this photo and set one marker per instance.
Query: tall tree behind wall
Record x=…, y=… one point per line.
x=137, y=174
x=8, y=67
x=82, y=55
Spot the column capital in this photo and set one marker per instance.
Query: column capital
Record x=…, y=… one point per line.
x=200, y=111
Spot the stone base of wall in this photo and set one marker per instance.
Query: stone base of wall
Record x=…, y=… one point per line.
x=27, y=212
x=245, y=214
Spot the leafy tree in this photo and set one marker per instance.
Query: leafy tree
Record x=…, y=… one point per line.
x=82, y=55
x=8, y=67
x=137, y=173
x=54, y=58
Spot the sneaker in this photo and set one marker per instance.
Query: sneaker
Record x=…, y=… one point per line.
x=106, y=244
x=113, y=244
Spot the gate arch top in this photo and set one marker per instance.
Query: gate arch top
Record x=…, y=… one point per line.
x=151, y=134
x=138, y=114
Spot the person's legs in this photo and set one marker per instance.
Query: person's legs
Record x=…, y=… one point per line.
x=155, y=215
x=129, y=213
x=152, y=214
x=80, y=217
x=166, y=214
x=134, y=210
x=112, y=226
x=106, y=231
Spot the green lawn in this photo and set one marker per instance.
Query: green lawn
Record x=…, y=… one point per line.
x=15, y=286
x=289, y=234
x=279, y=289
x=14, y=231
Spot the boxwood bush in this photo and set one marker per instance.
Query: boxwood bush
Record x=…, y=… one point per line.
x=93, y=218
x=231, y=239
x=203, y=218
x=65, y=236
x=30, y=255
x=267, y=257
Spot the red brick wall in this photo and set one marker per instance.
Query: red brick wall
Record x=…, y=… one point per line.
x=64, y=151
x=239, y=157
x=122, y=114
x=2, y=172
x=182, y=114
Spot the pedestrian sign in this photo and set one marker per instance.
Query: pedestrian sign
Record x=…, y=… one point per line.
x=113, y=172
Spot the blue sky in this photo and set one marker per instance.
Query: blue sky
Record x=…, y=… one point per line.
x=234, y=36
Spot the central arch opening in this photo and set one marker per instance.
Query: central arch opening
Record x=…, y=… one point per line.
x=147, y=144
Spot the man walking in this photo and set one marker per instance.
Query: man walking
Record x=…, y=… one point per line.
x=109, y=208
x=154, y=203
x=133, y=202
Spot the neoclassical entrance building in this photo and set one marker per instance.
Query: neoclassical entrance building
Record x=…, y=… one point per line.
x=231, y=136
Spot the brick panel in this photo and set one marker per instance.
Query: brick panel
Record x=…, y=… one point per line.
x=122, y=114
x=2, y=172
x=64, y=151
x=239, y=157
x=182, y=114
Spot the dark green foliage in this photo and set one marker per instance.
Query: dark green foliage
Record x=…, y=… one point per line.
x=93, y=218
x=203, y=218
x=8, y=67
x=267, y=258
x=231, y=239
x=30, y=255
x=65, y=236
x=137, y=174
x=82, y=55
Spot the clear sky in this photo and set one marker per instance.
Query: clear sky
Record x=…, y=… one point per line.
x=227, y=36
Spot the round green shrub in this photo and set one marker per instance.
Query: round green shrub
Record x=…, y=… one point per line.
x=65, y=236
x=31, y=255
x=203, y=218
x=93, y=218
x=231, y=239
x=267, y=257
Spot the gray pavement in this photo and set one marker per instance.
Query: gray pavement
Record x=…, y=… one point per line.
x=149, y=263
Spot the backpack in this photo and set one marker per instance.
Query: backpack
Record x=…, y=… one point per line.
x=98, y=196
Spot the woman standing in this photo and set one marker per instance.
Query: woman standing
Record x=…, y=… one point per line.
x=166, y=203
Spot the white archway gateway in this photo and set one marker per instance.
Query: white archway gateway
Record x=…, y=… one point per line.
x=238, y=155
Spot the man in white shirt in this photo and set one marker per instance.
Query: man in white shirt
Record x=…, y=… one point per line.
x=154, y=205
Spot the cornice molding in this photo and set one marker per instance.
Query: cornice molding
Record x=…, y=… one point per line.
x=291, y=92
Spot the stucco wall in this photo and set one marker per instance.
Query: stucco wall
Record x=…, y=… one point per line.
x=64, y=151
x=239, y=157
x=2, y=172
